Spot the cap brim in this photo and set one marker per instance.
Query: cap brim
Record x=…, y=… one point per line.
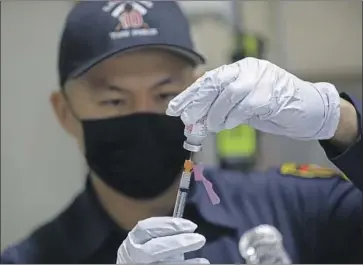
x=190, y=55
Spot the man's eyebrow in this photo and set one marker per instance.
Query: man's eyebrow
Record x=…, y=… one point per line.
x=166, y=81
x=115, y=88
x=102, y=85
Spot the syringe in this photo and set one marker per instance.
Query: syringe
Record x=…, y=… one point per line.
x=183, y=190
x=195, y=134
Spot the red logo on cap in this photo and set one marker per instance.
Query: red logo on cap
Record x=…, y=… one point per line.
x=130, y=19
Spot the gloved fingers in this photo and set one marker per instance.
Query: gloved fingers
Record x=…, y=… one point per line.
x=243, y=113
x=200, y=104
x=196, y=261
x=233, y=120
x=222, y=106
x=181, y=101
x=156, y=227
x=177, y=259
x=215, y=84
x=267, y=126
x=189, y=261
x=123, y=256
x=165, y=247
x=193, y=103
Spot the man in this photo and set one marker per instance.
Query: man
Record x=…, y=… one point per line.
x=116, y=86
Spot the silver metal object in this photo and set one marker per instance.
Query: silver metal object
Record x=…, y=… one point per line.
x=263, y=245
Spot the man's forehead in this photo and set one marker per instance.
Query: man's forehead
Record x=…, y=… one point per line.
x=136, y=63
x=142, y=60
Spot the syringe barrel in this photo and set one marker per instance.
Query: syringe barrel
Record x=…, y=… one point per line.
x=181, y=198
x=195, y=134
x=180, y=204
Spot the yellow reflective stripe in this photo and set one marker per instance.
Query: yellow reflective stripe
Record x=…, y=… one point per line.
x=310, y=171
x=239, y=141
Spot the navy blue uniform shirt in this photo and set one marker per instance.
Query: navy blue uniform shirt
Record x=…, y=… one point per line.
x=321, y=219
x=350, y=160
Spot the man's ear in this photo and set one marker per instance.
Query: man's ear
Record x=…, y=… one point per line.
x=64, y=114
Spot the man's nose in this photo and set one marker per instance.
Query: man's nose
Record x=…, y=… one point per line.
x=145, y=104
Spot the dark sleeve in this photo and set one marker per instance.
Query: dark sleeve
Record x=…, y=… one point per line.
x=15, y=255
x=5, y=259
x=41, y=247
x=349, y=161
x=28, y=252
x=333, y=213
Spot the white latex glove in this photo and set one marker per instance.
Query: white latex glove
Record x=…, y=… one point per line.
x=161, y=240
x=261, y=95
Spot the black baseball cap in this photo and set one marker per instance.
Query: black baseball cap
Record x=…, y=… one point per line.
x=96, y=30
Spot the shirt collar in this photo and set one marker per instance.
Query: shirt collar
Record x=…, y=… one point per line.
x=85, y=226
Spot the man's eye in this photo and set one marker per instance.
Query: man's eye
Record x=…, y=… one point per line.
x=168, y=96
x=113, y=102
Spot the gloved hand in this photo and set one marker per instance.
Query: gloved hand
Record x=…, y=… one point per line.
x=262, y=95
x=161, y=240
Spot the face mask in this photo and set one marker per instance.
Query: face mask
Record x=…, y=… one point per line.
x=139, y=155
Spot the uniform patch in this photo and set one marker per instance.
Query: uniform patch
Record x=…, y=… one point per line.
x=309, y=171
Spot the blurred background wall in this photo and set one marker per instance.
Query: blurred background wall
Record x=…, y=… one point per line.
x=40, y=166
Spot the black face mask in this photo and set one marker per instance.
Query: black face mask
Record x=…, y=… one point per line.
x=139, y=155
